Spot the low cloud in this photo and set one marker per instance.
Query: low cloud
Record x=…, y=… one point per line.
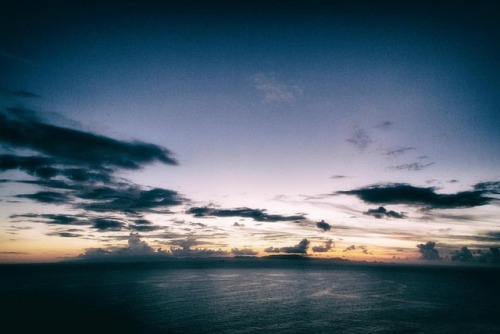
x=136, y=249
x=428, y=251
x=328, y=245
x=462, y=255
x=350, y=248
x=300, y=248
x=323, y=225
x=401, y=193
x=243, y=252
x=255, y=214
x=382, y=212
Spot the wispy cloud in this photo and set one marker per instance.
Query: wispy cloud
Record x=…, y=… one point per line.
x=386, y=125
x=399, y=151
x=414, y=166
x=360, y=138
x=275, y=90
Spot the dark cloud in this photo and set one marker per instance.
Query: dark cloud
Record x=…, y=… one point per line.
x=350, y=248
x=47, y=197
x=255, y=214
x=336, y=177
x=415, y=166
x=103, y=224
x=52, y=219
x=144, y=228
x=399, y=151
x=400, y=193
x=77, y=168
x=463, y=255
x=323, y=225
x=64, y=234
x=34, y=165
x=300, y=248
x=491, y=256
x=328, y=245
x=360, y=138
x=428, y=251
x=128, y=199
x=136, y=249
x=382, y=212
x=243, y=252
x=20, y=129
x=185, y=249
x=492, y=187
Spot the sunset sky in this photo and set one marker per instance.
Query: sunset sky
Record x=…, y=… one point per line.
x=352, y=129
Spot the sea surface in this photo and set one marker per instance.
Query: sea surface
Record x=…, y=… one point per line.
x=248, y=296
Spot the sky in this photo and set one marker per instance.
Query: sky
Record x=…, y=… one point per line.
x=344, y=129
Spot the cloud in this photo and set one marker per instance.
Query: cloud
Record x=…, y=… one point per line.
x=360, y=138
x=255, y=214
x=399, y=151
x=337, y=177
x=65, y=234
x=243, y=252
x=185, y=249
x=323, y=225
x=491, y=256
x=78, y=168
x=428, y=252
x=21, y=129
x=492, y=187
x=382, y=212
x=52, y=219
x=136, y=249
x=463, y=255
x=386, y=125
x=126, y=199
x=415, y=166
x=328, y=245
x=275, y=90
x=300, y=248
x=401, y=193
x=350, y=248
x=46, y=197
x=103, y=224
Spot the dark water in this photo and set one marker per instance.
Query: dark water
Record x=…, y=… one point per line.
x=285, y=296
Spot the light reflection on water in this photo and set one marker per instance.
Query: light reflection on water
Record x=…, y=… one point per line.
x=257, y=300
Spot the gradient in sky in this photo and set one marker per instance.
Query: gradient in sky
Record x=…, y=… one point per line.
x=355, y=129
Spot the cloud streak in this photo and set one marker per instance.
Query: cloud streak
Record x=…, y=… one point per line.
x=255, y=214
x=402, y=193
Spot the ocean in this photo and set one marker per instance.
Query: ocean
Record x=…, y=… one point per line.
x=249, y=296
